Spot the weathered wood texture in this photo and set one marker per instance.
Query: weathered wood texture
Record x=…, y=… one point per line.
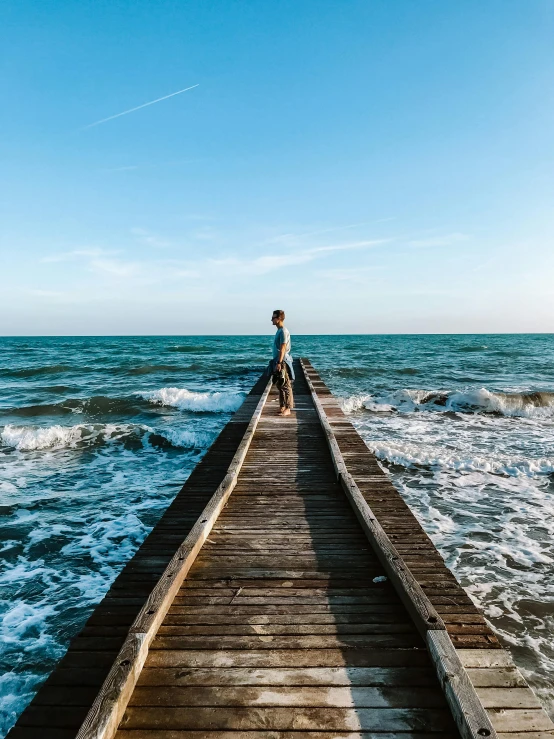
x=284, y=627
x=282, y=624
x=469, y=713
x=105, y=713
x=500, y=687
x=79, y=675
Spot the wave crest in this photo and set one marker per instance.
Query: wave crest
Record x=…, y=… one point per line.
x=80, y=436
x=187, y=400
x=523, y=404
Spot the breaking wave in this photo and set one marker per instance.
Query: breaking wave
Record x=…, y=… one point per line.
x=101, y=405
x=523, y=404
x=186, y=400
x=81, y=436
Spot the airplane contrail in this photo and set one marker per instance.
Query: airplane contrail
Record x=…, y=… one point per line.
x=132, y=110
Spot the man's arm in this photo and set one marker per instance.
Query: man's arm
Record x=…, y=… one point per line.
x=282, y=352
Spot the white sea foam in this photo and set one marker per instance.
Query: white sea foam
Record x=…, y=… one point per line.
x=16, y=690
x=22, y=620
x=33, y=438
x=30, y=439
x=187, y=400
x=109, y=540
x=526, y=404
x=354, y=403
x=479, y=482
x=406, y=454
x=188, y=439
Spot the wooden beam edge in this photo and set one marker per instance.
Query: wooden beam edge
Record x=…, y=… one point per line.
x=470, y=715
x=467, y=710
x=410, y=591
x=105, y=714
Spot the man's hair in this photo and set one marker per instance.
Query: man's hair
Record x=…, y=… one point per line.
x=280, y=314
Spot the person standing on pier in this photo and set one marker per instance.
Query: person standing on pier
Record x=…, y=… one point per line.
x=281, y=364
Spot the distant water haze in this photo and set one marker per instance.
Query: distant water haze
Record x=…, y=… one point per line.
x=98, y=434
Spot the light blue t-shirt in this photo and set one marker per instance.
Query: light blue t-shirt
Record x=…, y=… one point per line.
x=281, y=337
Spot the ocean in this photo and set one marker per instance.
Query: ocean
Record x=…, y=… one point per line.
x=97, y=435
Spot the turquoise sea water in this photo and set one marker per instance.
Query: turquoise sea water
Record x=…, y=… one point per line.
x=98, y=434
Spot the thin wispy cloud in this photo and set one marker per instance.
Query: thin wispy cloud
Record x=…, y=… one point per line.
x=132, y=273
x=308, y=234
x=138, y=107
x=349, y=246
x=270, y=262
x=446, y=240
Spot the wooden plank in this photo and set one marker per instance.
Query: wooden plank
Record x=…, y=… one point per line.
x=289, y=676
x=383, y=603
x=359, y=657
x=260, y=734
x=292, y=697
x=508, y=697
x=283, y=719
x=105, y=714
x=390, y=615
x=496, y=677
x=514, y=720
x=485, y=658
x=259, y=641
x=184, y=629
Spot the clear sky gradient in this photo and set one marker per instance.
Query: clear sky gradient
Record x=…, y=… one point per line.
x=367, y=165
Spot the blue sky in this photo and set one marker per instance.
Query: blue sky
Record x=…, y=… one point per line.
x=369, y=166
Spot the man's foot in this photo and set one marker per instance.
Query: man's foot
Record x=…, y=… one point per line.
x=285, y=412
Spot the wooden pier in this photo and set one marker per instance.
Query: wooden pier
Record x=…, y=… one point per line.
x=288, y=591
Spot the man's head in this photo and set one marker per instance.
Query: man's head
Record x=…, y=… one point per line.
x=278, y=317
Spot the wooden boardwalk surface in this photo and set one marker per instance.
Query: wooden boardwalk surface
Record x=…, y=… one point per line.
x=313, y=606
